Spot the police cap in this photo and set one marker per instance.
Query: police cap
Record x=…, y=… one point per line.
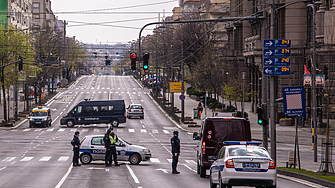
x=77, y=132
x=175, y=132
x=108, y=131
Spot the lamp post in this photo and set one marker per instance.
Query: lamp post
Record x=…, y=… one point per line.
x=314, y=102
x=243, y=77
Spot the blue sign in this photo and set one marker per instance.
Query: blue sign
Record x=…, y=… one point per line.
x=280, y=43
x=152, y=76
x=294, y=101
x=276, y=70
x=182, y=97
x=277, y=61
x=277, y=52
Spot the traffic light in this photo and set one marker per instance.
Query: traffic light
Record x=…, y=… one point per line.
x=145, y=61
x=133, y=57
x=95, y=55
x=20, y=63
x=260, y=116
x=325, y=71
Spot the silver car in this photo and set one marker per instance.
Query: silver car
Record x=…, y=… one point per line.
x=135, y=110
x=93, y=148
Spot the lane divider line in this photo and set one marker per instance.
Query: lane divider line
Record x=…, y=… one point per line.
x=64, y=177
x=132, y=174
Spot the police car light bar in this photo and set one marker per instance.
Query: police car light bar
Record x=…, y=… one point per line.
x=241, y=143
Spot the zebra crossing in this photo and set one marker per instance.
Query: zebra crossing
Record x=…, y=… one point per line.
x=69, y=158
x=96, y=130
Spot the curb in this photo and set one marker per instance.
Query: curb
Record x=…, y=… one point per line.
x=307, y=178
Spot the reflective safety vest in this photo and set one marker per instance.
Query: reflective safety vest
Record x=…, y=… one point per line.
x=113, y=140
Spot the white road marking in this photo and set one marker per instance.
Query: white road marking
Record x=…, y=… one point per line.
x=26, y=130
x=64, y=158
x=8, y=159
x=154, y=160
x=45, y=159
x=119, y=130
x=64, y=177
x=84, y=130
x=190, y=168
x=96, y=130
x=38, y=130
x=132, y=174
x=73, y=130
x=154, y=131
x=131, y=130
x=50, y=129
x=170, y=160
x=166, y=132
x=163, y=170
x=190, y=162
x=2, y=168
x=27, y=159
x=143, y=131
x=307, y=183
x=61, y=130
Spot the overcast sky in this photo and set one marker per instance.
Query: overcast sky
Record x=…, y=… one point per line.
x=114, y=20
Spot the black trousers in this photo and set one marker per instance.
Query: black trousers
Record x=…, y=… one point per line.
x=108, y=156
x=75, y=156
x=113, y=151
x=175, y=157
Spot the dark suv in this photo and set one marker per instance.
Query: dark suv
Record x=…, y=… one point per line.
x=214, y=131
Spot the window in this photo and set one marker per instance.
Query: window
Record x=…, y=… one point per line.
x=97, y=141
x=77, y=110
x=36, y=16
x=36, y=6
x=136, y=107
x=221, y=153
x=248, y=151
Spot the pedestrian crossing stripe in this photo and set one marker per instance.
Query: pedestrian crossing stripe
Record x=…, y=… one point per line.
x=63, y=158
x=27, y=159
x=84, y=130
x=143, y=131
x=61, y=130
x=119, y=130
x=50, y=129
x=26, y=130
x=8, y=159
x=166, y=132
x=131, y=130
x=154, y=160
x=154, y=131
x=190, y=162
x=45, y=159
x=170, y=160
x=38, y=130
x=97, y=130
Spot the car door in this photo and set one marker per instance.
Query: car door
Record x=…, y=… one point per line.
x=218, y=164
x=121, y=149
x=97, y=147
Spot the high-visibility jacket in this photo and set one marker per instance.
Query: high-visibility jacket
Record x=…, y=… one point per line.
x=113, y=140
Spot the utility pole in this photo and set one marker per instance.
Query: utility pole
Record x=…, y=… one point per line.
x=272, y=95
x=182, y=83
x=172, y=93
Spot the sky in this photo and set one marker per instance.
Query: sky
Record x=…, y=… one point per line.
x=110, y=21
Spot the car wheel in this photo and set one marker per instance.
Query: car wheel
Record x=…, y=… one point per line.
x=115, y=122
x=135, y=159
x=50, y=124
x=211, y=184
x=202, y=171
x=70, y=123
x=30, y=125
x=85, y=158
x=142, y=117
x=198, y=167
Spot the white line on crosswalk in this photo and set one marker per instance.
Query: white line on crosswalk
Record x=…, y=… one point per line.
x=154, y=160
x=154, y=131
x=84, y=130
x=131, y=130
x=27, y=159
x=38, y=130
x=8, y=159
x=190, y=162
x=63, y=158
x=51, y=129
x=166, y=132
x=45, y=159
x=73, y=130
x=61, y=130
x=119, y=130
x=143, y=131
x=26, y=130
x=170, y=160
x=96, y=130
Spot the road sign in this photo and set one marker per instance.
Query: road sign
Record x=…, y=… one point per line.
x=182, y=97
x=277, y=61
x=175, y=87
x=277, y=52
x=294, y=101
x=280, y=43
x=276, y=70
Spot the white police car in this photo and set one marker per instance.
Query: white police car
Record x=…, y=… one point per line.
x=243, y=164
x=93, y=148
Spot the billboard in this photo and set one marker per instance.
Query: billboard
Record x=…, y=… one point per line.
x=4, y=13
x=319, y=80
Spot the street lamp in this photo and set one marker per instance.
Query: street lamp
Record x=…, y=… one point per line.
x=314, y=102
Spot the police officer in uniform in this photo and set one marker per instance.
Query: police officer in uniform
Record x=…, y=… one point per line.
x=76, y=146
x=107, y=148
x=113, y=139
x=175, y=145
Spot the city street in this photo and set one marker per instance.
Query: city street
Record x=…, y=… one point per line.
x=42, y=157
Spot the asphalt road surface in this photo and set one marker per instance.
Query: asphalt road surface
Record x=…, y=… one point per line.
x=42, y=157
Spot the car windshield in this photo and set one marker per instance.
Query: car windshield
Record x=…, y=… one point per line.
x=39, y=113
x=247, y=151
x=126, y=142
x=136, y=107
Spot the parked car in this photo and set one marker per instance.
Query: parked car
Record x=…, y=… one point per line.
x=214, y=131
x=93, y=148
x=135, y=110
x=96, y=112
x=243, y=164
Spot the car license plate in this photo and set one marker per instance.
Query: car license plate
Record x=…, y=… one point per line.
x=37, y=122
x=251, y=165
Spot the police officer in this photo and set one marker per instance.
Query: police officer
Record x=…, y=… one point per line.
x=107, y=148
x=76, y=146
x=175, y=145
x=113, y=139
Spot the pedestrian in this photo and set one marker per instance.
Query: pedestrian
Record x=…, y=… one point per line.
x=113, y=139
x=107, y=148
x=199, y=107
x=175, y=145
x=76, y=146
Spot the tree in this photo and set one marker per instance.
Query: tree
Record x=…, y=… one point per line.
x=14, y=44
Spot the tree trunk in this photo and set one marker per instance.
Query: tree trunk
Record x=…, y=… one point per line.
x=4, y=95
